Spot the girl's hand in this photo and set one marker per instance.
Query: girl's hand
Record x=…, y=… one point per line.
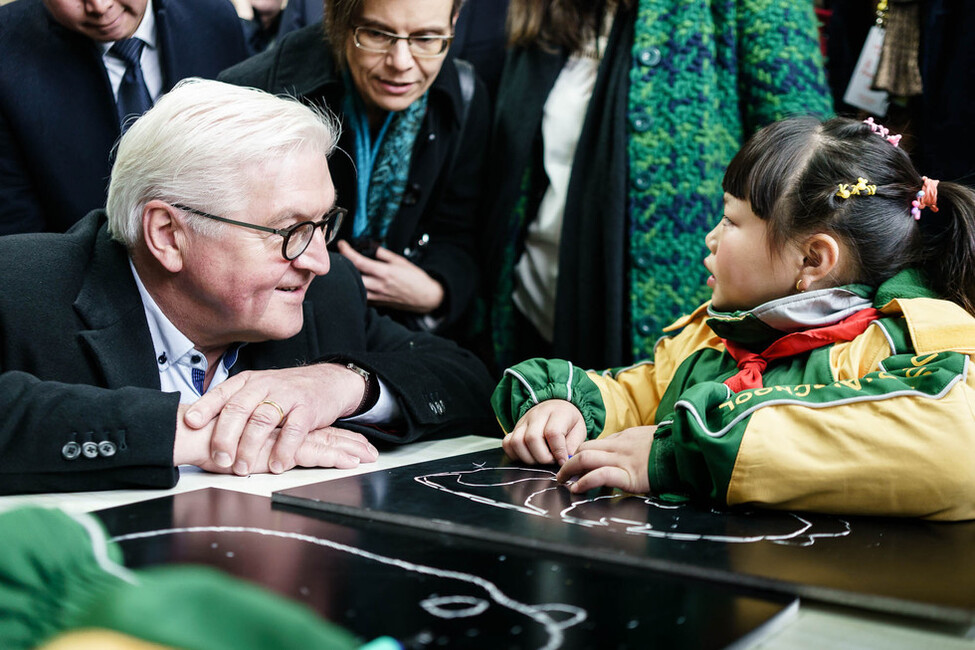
x=619, y=461
x=548, y=433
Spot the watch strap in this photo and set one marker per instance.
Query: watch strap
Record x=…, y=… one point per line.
x=371, y=394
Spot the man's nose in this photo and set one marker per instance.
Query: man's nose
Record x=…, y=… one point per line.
x=315, y=258
x=98, y=7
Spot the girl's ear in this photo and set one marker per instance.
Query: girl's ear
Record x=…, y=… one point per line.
x=820, y=262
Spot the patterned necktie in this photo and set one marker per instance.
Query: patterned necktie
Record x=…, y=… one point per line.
x=133, y=95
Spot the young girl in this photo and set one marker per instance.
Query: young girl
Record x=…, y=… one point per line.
x=828, y=373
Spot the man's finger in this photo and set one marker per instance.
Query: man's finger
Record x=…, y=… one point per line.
x=209, y=406
x=264, y=419
x=326, y=448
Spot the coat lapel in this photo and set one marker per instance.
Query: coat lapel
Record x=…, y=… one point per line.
x=109, y=305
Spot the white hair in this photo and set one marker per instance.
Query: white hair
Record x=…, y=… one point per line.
x=201, y=145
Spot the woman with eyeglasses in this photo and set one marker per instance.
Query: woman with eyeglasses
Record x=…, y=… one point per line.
x=411, y=160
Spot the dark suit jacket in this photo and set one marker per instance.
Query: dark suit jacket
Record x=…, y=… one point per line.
x=58, y=121
x=441, y=200
x=77, y=364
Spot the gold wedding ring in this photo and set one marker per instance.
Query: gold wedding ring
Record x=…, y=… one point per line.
x=275, y=405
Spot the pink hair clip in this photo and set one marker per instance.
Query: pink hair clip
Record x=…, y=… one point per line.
x=927, y=197
x=882, y=131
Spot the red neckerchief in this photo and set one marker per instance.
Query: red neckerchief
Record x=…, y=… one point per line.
x=751, y=365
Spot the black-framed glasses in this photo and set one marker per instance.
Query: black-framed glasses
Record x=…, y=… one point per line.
x=371, y=39
x=297, y=238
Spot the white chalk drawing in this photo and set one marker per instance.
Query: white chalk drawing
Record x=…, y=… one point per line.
x=439, y=606
x=534, y=491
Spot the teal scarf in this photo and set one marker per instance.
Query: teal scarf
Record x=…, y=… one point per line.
x=383, y=165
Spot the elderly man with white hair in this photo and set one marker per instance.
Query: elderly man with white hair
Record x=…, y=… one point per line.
x=200, y=320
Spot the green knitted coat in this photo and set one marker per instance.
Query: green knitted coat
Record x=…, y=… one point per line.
x=697, y=77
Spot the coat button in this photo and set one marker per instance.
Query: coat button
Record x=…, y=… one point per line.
x=641, y=182
x=106, y=448
x=640, y=123
x=71, y=450
x=645, y=327
x=412, y=194
x=649, y=56
x=89, y=449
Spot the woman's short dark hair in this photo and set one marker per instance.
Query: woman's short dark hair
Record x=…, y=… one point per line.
x=790, y=173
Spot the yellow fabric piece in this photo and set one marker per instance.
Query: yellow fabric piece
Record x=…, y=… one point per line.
x=98, y=640
x=936, y=325
x=828, y=459
x=632, y=395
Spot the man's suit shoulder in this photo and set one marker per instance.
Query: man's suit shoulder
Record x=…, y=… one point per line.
x=299, y=64
x=40, y=266
x=205, y=14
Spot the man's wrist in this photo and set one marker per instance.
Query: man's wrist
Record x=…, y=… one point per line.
x=370, y=394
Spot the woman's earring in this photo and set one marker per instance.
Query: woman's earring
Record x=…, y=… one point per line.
x=799, y=285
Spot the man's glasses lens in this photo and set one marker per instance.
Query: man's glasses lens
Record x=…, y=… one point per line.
x=299, y=238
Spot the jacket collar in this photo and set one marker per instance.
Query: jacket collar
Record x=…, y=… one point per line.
x=110, y=308
x=760, y=326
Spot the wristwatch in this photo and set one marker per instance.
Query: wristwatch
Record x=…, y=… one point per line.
x=371, y=394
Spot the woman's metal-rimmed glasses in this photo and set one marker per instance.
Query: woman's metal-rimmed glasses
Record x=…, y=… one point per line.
x=297, y=238
x=371, y=39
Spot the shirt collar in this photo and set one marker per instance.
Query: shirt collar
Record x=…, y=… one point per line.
x=170, y=344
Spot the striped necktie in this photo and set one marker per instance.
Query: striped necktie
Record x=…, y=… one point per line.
x=133, y=95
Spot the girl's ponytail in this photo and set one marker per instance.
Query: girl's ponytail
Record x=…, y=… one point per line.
x=948, y=240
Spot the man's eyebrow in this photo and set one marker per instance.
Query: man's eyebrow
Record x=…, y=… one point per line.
x=288, y=218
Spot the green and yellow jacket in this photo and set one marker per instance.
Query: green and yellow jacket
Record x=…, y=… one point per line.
x=880, y=425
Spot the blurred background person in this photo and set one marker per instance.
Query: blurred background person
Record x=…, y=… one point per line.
x=926, y=64
x=72, y=74
x=415, y=128
x=614, y=122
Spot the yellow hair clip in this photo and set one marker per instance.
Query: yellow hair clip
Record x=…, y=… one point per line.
x=845, y=190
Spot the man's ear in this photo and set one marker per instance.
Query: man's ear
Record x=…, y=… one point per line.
x=821, y=261
x=164, y=234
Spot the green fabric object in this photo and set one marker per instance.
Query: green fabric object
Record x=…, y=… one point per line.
x=697, y=78
x=725, y=70
x=58, y=573
x=533, y=381
x=909, y=283
x=502, y=309
x=695, y=452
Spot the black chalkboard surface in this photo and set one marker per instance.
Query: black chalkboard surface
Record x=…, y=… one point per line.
x=437, y=591
x=907, y=567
